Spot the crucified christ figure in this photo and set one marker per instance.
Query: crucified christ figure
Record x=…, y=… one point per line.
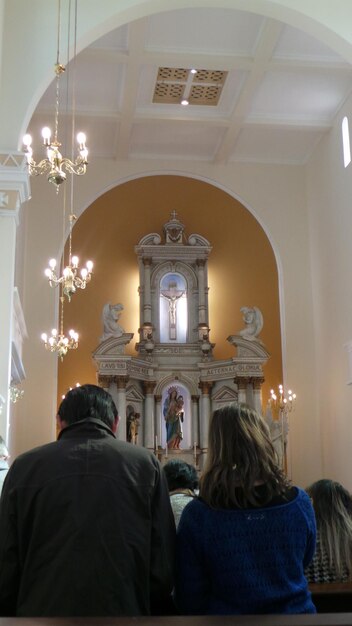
x=172, y=295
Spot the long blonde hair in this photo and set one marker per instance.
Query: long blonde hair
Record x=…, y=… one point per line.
x=333, y=512
x=240, y=456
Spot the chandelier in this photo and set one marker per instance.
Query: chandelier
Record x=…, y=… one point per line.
x=55, y=164
x=70, y=280
x=58, y=342
x=15, y=393
x=284, y=403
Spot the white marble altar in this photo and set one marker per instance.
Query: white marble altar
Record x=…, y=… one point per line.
x=174, y=347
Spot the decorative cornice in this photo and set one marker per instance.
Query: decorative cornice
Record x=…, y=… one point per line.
x=14, y=182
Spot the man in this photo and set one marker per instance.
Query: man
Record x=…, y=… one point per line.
x=4, y=466
x=86, y=526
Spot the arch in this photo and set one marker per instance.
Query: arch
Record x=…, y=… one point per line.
x=233, y=194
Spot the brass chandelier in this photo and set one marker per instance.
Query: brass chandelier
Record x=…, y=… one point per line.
x=58, y=342
x=70, y=280
x=55, y=164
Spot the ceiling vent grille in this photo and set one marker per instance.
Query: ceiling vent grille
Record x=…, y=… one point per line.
x=201, y=88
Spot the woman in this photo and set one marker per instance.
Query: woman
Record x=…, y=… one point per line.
x=244, y=544
x=333, y=511
x=173, y=409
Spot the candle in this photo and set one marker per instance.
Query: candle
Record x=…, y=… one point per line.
x=156, y=442
x=195, y=449
x=166, y=449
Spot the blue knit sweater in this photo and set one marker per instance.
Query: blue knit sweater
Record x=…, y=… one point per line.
x=245, y=561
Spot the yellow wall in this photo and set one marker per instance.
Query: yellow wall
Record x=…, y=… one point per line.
x=242, y=267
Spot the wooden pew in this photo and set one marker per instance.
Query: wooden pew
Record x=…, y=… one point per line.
x=332, y=597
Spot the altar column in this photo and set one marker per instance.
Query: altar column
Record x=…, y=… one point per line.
x=204, y=412
x=157, y=431
x=195, y=420
x=147, y=305
x=242, y=384
x=201, y=293
x=121, y=383
x=257, y=394
x=109, y=384
x=148, y=417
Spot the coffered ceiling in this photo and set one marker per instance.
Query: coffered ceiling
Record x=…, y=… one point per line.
x=263, y=91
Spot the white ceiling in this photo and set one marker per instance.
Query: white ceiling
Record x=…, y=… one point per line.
x=282, y=91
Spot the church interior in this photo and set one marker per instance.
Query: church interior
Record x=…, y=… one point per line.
x=253, y=162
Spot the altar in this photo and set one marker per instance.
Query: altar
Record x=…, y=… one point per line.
x=173, y=383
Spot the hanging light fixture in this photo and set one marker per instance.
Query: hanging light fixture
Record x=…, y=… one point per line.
x=58, y=342
x=55, y=163
x=15, y=393
x=70, y=280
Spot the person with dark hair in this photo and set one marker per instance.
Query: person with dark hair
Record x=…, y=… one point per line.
x=332, y=560
x=86, y=526
x=182, y=480
x=243, y=545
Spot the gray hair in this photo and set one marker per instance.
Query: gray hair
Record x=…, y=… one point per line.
x=4, y=453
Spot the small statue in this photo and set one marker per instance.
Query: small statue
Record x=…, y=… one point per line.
x=253, y=319
x=111, y=315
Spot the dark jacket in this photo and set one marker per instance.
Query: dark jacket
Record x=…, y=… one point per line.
x=86, y=528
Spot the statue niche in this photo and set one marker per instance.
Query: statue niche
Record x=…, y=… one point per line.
x=173, y=308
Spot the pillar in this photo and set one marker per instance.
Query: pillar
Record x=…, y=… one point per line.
x=195, y=420
x=158, y=420
x=121, y=382
x=242, y=384
x=14, y=190
x=204, y=412
x=201, y=293
x=147, y=304
x=257, y=394
x=148, y=417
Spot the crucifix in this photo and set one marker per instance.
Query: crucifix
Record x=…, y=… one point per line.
x=172, y=294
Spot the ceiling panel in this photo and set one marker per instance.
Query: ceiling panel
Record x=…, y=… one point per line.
x=219, y=31
x=275, y=145
x=177, y=140
x=301, y=95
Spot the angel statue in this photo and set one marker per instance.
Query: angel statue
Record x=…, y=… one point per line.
x=253, y=319
x=111, y=315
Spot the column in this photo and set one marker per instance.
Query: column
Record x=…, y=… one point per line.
x=158, y=420
x=147, y=304
x=14, y=190
x=257, y=394
x=109, y=384
x=148, y=417
x=241, y=383
x=204, y=412
x=121, y=382
x=201, y=293
x=195, y=420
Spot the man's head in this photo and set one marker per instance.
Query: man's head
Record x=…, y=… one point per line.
x=87, y=401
